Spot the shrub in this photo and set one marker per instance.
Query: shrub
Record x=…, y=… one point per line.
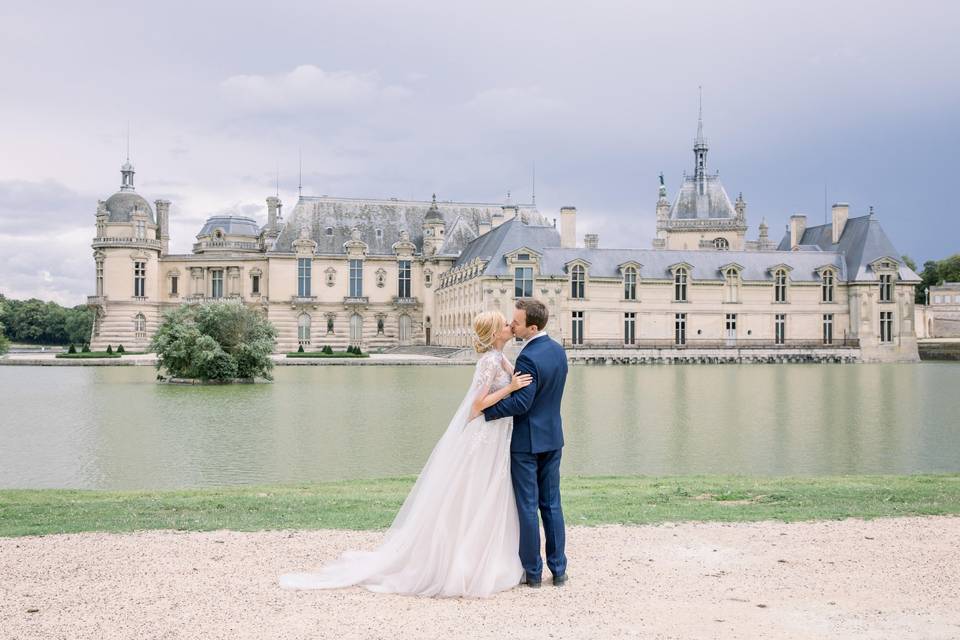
x=327, y=349
x=300, y=349
x=4, y=343
x=85, y=349
x=358, y=351
x=72, y=349
x=109, y=349
x=215, y=341
x=120, y=349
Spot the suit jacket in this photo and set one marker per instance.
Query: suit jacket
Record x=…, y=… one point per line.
x=536, y=408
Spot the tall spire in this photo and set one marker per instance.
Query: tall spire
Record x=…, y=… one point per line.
x=126, y=171
x=700, y=144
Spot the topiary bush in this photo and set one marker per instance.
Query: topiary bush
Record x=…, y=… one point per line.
x=328, y=349
x=85, y=349
x=215, y=341
x=300, y=349
x=72, y=349
x=120, y=349
x=109, y=349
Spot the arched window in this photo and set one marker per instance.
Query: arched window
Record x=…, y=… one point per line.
x=630, y=283
x=356, y=328
x=577, y=281
x=140, y=326
x=303, y=329
x=826, y=286
x=721, y=244
x=780, y=285
x=680, y=284
x=732, y=284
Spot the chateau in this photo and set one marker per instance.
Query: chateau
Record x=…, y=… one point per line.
x=384, y=273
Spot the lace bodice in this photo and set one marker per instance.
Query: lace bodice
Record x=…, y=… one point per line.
x=491, y=371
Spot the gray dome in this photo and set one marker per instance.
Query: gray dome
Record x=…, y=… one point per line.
x=122, y=204
x=231, y=226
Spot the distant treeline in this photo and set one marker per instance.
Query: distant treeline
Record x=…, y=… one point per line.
x=37, y=322
x=935, y=272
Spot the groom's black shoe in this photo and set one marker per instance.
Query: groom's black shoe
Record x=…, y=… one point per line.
x=560, y=580
x=533, y=583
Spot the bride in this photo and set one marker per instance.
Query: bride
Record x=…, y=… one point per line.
x=457, y=533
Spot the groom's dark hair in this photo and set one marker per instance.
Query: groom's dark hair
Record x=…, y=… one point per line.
x=536, y=312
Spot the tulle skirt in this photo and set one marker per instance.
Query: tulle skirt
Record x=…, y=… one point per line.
x=457, y=533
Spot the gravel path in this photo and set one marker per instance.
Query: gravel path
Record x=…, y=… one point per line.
x=890, y=578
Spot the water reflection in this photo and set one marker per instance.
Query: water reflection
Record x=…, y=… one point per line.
x=105, y=427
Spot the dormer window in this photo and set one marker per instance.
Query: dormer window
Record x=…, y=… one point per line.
x=780, y=285
x=630, y=283
x=732, y=284
x=141, y=229
x=886, y=287
x=680, y=278
x=577, y=282
x=826, y=286
x=721, y=244
x=379, y=233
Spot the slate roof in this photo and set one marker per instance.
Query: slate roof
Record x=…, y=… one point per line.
x=390, y=216
x=713, y=202
x=122, y=204
x=231, y=226
x=512, y=234
x=862, y=242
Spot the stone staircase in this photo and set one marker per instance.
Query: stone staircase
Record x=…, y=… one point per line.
x=422, y=350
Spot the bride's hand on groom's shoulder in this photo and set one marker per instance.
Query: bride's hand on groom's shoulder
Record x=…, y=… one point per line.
x=520, y=380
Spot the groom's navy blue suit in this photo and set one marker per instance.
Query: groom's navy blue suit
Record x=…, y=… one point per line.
x=535, y=452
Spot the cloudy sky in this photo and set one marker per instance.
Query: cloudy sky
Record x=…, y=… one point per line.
x=391, y=99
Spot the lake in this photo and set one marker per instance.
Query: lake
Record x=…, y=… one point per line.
x=115, y=428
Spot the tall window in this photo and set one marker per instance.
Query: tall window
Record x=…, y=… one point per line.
x=174, y=285
x=139, y=279
x=356, y=278
x=780, y=285
x=730, y=327
x=828, y=328
x=886, y=326
x=630, y=328
x=577, y=280
x=630, y=283
x=680, y=285
x=826, y=287
x=140, y=326
x=680, y=328
x=304, y=266
x=216, y=283
x=886, y=287
x=523, y=282
x=576, y=330
x=721, y=244
x=732, y=281
x=99, y=277
x=356, y=328
x=255, y=285
x=403, y=279
x=780, y=328
x=303, y=329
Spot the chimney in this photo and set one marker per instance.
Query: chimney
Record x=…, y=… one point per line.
x=496, y=219
x=509, y=211
x=591, y=241
x=798, y=224
x=841, y=211
x=483, y=227
x=273, y=208
x=568, y=227
x=163, y=222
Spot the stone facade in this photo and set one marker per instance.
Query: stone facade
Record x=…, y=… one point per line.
x=940, y=317
x=384, y=273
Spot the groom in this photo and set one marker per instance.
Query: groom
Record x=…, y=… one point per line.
x=537, y=441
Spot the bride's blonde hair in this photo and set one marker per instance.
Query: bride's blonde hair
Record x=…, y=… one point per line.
x=486, y=325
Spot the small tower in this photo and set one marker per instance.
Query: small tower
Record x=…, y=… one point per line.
x=126, y=171
x=741, y=208
x=663, y=216
x=433, y=229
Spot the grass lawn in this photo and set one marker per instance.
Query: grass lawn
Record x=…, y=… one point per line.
x=372, y=504
x=320, y=354
x=89, y=354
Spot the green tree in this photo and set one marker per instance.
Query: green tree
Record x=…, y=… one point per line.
x=936, y=272
x=4, y=343
x=215, y=341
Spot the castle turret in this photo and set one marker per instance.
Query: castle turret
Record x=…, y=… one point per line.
x=433, y=229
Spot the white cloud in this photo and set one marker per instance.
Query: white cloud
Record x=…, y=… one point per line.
x=309, y=87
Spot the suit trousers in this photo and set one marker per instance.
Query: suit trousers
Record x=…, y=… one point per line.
x=536, y=484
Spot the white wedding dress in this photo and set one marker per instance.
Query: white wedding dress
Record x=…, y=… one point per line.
x=457, y=533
